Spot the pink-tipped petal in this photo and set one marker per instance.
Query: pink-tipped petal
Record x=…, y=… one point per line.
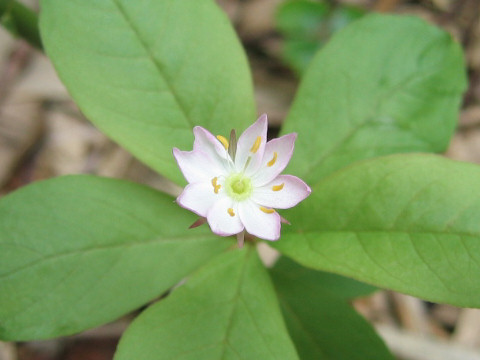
x=206, y=142
x=252, y=144
x=197, y=166
x=283, y=192
x=258, y=223
x=221, y=221
x=276, y=157
x=198, y=197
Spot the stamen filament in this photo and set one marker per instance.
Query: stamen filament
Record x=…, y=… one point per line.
x=278, y=187
x=274, y=159
x=256, y=145
x=266, y=210
x=231, y=212
x=223, y=140
x=232, y=150
x=246, y=164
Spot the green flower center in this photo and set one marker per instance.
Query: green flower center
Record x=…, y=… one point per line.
x=238, y=187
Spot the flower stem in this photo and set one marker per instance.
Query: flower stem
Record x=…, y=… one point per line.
x=241, y=239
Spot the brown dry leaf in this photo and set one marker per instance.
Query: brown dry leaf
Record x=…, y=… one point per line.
x=465, y=146
x=21, y=127
x=257, y=18
x=7, y=351
x=467, y=331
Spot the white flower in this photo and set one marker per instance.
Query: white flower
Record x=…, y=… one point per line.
x=240, y=192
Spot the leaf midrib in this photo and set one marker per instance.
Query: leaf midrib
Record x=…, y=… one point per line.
x=288, y=308
x=93, y=249
x=238, y=297
x=154, y=61
x=369, y=119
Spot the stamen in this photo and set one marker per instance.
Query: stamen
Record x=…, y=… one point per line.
x=271, y=162
x=278, y=187
x=266, y=210
x=246, y=163
x=256, y=145
x=216, y=186
x=223, y=140
x=231, y=212
x=232, y=150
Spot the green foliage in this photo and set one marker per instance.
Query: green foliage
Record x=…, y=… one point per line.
x=306, y=25
x=322, y=324
x=227, y=310
x=404, y=222
x=146, y=72
x=322, y=282
x=20, y=21
x=77, y=252
x=377, y=88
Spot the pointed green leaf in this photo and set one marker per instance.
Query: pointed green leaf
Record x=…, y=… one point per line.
x=377, y=88
x=323, y=326
x=79, y=251
x=146, y=72
x=227, y=310
x=405, y=222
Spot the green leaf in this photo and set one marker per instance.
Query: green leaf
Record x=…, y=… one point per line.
x=323, y=326
x=19, y=20
x=227, y=310
x=306, y=25
x=299, y=53
x=322, y=282
x=146, y=72
x=301, y=18
x=79, y=251
x=405, y=222
x=377, y=88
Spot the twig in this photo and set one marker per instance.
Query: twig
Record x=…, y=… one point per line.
x=411, y=346
x=386, y=5
x=467, y=331
x=7, y=351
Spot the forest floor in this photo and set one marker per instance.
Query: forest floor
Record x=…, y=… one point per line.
x=43, y=135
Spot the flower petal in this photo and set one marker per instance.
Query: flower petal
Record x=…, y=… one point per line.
x=252, y=144
x=258, y=223
x=283, y=192
x=276, y=157
x=198, y=197
x=197, y=166
x=223, y=217
x=206, y=142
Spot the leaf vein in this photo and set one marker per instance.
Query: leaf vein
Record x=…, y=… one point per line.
x=155, y=62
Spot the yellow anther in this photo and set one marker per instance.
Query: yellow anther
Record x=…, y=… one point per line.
x=256, y=145
x=216, y=186
x=274, y=159
x=266, y=210
x=231, y=212
x=278, y=187
x=223, y=140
